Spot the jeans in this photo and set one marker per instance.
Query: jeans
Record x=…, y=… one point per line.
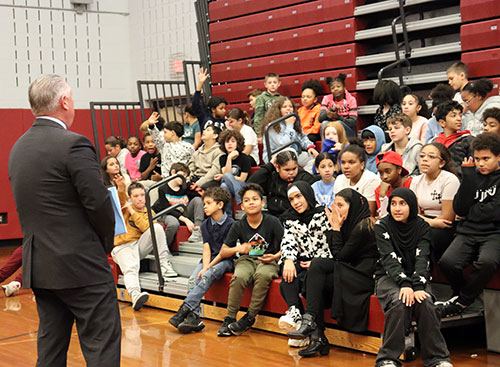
x=198, y=287
x=129, y=255
x=231, y=184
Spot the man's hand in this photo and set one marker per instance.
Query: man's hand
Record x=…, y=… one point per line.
x=128, y=207
x=218, y=176
x=202, y=271
x=244, y=248
x=156, y=177
x=266, y=258
x=468, y=162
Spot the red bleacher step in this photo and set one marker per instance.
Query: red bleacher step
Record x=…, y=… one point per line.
x=482, y=63
x=480, y=35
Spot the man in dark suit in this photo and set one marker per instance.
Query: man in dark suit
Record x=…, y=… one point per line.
x=68, y=227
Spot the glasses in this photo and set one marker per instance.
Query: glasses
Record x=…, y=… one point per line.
x=430, y=156
x=467, y=103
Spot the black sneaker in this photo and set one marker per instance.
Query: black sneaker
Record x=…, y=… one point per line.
x=451, y=308
x=179, y=316
x=224, y=329
x=191, y=323
x=242, y=325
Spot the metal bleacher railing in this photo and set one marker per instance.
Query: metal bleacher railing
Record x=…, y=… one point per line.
x=270, y=152
x=151, y=219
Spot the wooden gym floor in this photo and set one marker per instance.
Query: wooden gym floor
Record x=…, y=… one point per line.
x=149, y=340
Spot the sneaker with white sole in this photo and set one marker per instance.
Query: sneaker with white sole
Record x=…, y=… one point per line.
x=386, y=363
x=442, y=303
x=12, y=288
x=443, y=364
x=451, y=308
x=298, y=343
x=291, y=319
x=139, y=299
x=168, y=271
x=196, y=235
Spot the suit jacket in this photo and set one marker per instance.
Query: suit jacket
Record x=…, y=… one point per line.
x=64, y=208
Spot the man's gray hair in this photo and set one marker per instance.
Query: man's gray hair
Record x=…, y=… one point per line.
x=45, y=93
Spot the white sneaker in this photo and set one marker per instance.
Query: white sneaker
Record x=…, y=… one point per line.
x=444, y=303
x=12, y=288
x=298, y=343
x=443, y=364
x=291, y=319
x=168, y=271
x=139, y=299
x=196, y=235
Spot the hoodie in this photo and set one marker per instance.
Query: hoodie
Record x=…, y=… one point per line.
x=459, y=145
x=475, y=123
x=410, y=155
x=478, y=200
x=380, y=140
x=205, y=164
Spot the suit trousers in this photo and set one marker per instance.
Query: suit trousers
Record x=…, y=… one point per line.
x=95, y=310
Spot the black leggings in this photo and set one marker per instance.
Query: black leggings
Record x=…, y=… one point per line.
x=319, y=288
x=291, y=291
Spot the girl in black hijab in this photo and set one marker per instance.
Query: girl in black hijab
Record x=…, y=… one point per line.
x=305, y=225
x=402, y=282
x=345, y=281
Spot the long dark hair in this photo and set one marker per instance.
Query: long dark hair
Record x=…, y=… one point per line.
x=104, y=174
x=274, y=113
x=237, y=113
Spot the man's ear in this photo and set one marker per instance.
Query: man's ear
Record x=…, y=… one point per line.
x=220, y=204
x=442, y=123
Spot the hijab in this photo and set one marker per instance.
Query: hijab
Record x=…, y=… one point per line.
x=312, y=206
x=406, y=235
x=358, y=210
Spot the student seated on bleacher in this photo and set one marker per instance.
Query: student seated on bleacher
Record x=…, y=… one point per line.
x=286, y=132
x=458, y=141
x=343, y=281
x=110, y=170
x=235, y=165
x=212, y=266
x=192, y=130
x=403, y=283
x=265, y=100
x=310, y=109
x=491, y=118
x=355, y=175
x=476, y=100
x=305, y=226
x=274, y=178
x=238, y=120
x=334, y=140
x=477, y=239
x=373, y=138
x=259, y=236
x=340, y=105
x=133, y=157
x=441, y=93
x=399, y=131
x=171, y=146
x=252, y=98
x=387, y=95
x=327, y=167
x=217, y=105
x=116, y=147
x=133, y=246
x=415, y=107
x=435, y=189
x=204, y=163
x=150, y=166
x=392, y=175
x=177, y=191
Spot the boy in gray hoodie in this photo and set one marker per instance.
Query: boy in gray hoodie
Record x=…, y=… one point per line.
x=204, y=163
x=399, y=126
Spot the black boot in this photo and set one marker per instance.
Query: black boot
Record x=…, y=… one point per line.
x=179, y=316
x=307, y=327
x=319, y=344
x=191, y=323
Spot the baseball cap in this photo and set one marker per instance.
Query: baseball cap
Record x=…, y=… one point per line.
x=393, y=158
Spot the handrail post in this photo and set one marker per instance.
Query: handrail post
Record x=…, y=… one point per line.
x=266, y=135
x=151, y=226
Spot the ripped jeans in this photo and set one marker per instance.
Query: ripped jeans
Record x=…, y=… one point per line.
x=198, y=287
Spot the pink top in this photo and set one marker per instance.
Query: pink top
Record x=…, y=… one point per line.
x=418, y=129
x=346, y=107
x=132, y=165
